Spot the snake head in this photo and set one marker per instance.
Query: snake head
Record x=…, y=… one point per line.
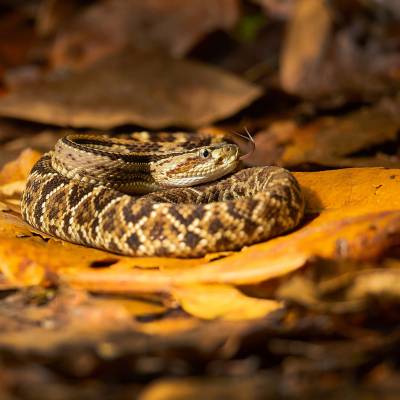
x=200, y=165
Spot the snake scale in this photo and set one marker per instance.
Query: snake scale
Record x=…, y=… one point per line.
x=134, y=195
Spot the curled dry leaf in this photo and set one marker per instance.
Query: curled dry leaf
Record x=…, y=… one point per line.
x=332, y=141
x=133, y=88
x=171, y=27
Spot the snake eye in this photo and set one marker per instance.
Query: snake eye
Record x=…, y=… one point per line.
x=204, y=153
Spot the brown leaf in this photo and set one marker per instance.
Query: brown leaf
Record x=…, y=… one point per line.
x=133, y=88
x=305, y=42
x=323, y=58
x=332, y=141
x=17, y=26
x=53, y=14
x=108, y=26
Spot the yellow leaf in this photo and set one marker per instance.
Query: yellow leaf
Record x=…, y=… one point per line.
x=167, y=326
x=19, y=169
x=222, y=301
x=351, y=191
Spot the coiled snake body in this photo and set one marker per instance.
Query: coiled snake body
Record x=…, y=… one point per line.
x=101, y=192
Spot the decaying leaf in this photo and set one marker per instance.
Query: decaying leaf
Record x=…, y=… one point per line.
x=133, y=88
x=171, y=27
x=332, y=141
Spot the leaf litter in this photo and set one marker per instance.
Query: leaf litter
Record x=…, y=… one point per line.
x=109, y=26
x=137, y=88
x=312, y=314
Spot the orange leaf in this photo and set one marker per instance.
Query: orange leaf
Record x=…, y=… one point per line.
x=359, y=218
x=19, y=169
x=222, y=301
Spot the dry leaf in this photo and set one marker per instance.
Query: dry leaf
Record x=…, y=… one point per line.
x=322, y=58
x=19, y=169
x=351, y=191
x=17, y=26
x=332, y=141
x=342, y=286
x=222, y=301
x=53, y=14
x=383, y=285
x=305, y=42
x=171, y=27
x=132, y=88
x=13, y=179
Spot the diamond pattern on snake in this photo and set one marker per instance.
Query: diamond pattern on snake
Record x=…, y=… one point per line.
x=165, y=194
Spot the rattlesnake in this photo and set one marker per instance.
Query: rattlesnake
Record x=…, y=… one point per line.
x=91, y=190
